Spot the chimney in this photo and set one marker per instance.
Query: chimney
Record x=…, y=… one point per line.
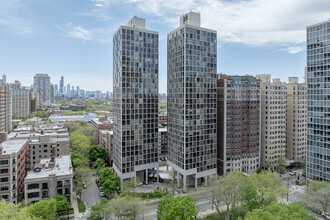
x=53, y=154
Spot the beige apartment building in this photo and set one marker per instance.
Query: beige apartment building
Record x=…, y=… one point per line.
x=44, y=146
x=21, y=99
x=283, y=119
x=273, y=119
x=296, y=119
x=5, y=108
x=51, y=177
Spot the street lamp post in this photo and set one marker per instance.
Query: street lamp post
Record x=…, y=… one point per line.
x=287, y=197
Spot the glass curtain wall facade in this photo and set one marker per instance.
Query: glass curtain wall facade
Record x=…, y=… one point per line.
x=318, y=101
x=191, y=83
x=135, y=78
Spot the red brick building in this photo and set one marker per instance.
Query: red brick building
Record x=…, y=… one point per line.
x=101, y=123
x=238, y=123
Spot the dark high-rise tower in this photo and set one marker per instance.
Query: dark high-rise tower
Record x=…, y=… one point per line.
x=135, y=85
x=191, y=90
x=62, y=85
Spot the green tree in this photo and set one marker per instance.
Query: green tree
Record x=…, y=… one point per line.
x=178, y=208
x=78, y=160
x=61, y=203
x=126, y=208
x=100, y=210
x=268, y=186
x=317, y=196
x=98, y=164
x=73, y=125
x=79, y=143
x=281, y=165
x=44, y=209
x=81, y=176
x=87, y=130
x=108, y=181
x=248, y=199
x=12, y=211
x=97, y=151
x=130, y=184
x=280, y=211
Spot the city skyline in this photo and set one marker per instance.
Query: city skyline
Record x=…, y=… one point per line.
x=75, y=40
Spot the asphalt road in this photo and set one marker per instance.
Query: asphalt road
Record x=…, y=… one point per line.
x=91, y=195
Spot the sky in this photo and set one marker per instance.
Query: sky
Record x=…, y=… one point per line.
x=73, y=38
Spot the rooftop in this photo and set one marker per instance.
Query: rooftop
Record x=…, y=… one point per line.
x=62, y=167
x=162, y=129
x=12, y=146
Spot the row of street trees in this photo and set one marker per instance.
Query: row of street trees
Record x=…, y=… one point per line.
x=251, y=196
x=46, y=209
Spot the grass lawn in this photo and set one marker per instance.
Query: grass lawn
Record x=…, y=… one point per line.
x=81, y=206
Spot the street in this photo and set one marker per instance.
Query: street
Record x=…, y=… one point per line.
x=91, y=195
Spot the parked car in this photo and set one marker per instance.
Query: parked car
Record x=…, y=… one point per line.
x=102, y=194
x=304, y=174
x=97, y=181
x=292, y=173
x=101, y=189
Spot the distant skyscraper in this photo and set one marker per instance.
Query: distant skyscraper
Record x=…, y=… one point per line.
x=135, y=83
x=52, y=93
x=68, y=93
x=42, y=86
x=5, y=108
x=191, y=100
x=4, y=79
x=56, y=89
x=238, y=123
x=62, y=85
x=318, y=101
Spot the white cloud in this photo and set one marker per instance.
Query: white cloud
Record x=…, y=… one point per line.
x=250, y=22
x=294, y=50
x=11, y=19
x=77, y=32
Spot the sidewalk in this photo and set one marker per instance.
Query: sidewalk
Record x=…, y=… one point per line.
x=77, y=215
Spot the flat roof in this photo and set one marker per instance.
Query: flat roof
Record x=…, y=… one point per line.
x=162, y=129
x=62, y=167
x=12, y=146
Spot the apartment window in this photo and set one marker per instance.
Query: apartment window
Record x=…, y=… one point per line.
x=4, y=196
x=59, y=192
x=3, y=162
x=4, y=188
x=44, y=194
x=33, y=195
x=44, y=185
x=59, y=184
x=2, y=171
x=4, y=179
x=33, y=186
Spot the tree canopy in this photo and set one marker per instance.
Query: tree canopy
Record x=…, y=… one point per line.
x=280, y=211
x=317, y=196
x=108, y=181
x=178, y=208
x=97, y=151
